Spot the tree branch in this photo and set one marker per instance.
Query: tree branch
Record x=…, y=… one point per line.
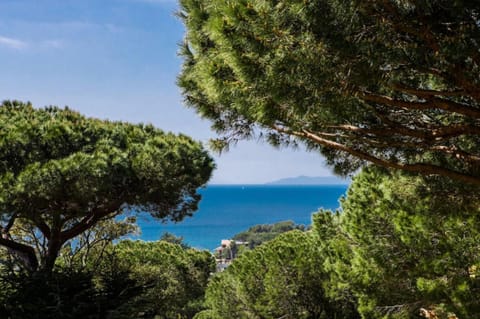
x=89, y=221
x=420, y=31
x=387, y=143
x=26, y=253
x=43, y=228
x=421, y=168
x=459, y=154
x=6, y=229
x=426, y=93
x=393, y=128
x=433, y=103
x=457, y=73
x=384, y=131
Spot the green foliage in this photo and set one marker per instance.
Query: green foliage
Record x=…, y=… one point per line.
x=61, y=173
x=259, y=234
x=172, y=279
x=55, y=295
x=280, y=279
x=85, y=252
x=255, y=236
x=398, y=252
x=391, y=82
x=171, y=238
x=132, y=280
x=401, y=246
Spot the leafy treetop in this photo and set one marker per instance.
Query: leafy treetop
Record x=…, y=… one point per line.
x=258, y=234
x=390, y=82
x=418, y=252
x=62, y=173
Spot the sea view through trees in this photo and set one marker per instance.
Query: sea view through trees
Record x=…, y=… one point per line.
x=226, y=210
x=254, y=159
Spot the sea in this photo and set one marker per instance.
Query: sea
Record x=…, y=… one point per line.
x=226, y=210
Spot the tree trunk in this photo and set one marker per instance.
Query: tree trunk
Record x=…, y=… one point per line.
x=53, y=250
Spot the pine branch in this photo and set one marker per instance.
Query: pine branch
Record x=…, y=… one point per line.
x=432, y=103
x=25, y=252
x=420, y=168
x=90, y=220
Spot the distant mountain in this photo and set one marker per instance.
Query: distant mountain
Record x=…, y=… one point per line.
x=309, y=180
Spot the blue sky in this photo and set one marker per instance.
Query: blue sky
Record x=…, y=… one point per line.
x=117, y=59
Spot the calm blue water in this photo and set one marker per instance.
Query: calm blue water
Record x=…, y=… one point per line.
x=226, y=210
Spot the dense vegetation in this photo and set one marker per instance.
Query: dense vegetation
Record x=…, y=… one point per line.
x=253, y=237
x=399, y=252
x=64, y=179
x=386, y=254
x=258, y=234
x=283, y=278
x=61, y=173
x=124, y=280
x=390, y=82
x=394, y=83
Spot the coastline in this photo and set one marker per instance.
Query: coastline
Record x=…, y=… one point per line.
x=226, y=210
